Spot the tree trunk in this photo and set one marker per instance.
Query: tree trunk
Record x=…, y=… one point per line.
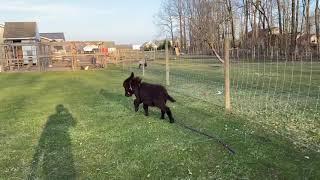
x=180, y=24
x=184, y=35
x=246, y=19
x=293, y=26
x=279, y=16
x=307, y=17
x=317, y=24
x=303, y=15
x=229, y=7
x=172, y=35
x=280, y=26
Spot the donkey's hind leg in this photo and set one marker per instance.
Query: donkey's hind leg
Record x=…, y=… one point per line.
x=169, y=113
x=162, y=114
x=167, y=110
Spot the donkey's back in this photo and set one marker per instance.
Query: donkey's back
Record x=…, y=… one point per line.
x=154, y=92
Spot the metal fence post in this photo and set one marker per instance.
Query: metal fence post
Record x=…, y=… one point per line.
x=227, y=75
x=167, y=65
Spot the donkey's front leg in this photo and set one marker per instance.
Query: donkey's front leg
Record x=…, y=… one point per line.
x=136, y=104
x=146, y=110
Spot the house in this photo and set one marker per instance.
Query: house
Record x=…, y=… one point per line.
x=136, y=47
x=1, y=33
x=91, y=49
x=24, y=37
x=304, y=40
x=148, y=46
x=124, y=47
x=54, y=37
x=262, y=37
x=1, y=46
x=110, y=45
x=275, y=31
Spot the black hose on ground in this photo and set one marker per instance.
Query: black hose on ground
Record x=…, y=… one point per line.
x=226, y=146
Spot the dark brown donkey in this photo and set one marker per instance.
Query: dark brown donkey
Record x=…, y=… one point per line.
x=153, y=95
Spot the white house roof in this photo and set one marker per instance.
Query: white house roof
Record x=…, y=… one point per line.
x=136, y=47
x=149, y=44
x=90, y=47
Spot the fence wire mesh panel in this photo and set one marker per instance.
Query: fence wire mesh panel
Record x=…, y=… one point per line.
x=278, y=91
x=196, y=82
x=271, y=89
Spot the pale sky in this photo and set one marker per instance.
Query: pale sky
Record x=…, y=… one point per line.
x=123, y=21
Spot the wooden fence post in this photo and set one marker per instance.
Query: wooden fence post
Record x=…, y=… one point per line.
x=167, y=65
x=227, y=75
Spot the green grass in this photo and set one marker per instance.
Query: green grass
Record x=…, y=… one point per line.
x=79, y=125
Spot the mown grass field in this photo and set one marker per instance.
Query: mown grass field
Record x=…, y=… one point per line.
x=79, y=125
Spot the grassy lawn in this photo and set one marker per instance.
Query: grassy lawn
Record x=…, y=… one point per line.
x=79, y=125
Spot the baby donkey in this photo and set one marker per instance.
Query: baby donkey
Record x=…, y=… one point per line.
x=153, y=95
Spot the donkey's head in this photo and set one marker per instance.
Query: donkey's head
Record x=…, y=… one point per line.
x=131, y=84
x=128, y=90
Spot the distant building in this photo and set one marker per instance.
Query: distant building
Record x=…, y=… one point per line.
x=102, y=46
x=1, y=33
x=91, y=49
x=124, y=47
x=54, y=37
x=148, y=46
x=24, y=36
x=110, y=45
x=1, y=47
x=304, y=40
x=136, y=47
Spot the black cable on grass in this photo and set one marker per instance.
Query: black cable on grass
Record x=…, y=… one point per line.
x=226, y=146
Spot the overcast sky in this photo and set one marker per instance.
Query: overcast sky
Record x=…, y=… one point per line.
x=123, y=21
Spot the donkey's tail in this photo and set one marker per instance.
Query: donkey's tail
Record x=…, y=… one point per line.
x=170, y=98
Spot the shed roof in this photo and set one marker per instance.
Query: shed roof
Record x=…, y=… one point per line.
x=58, y=35
x=20, y=30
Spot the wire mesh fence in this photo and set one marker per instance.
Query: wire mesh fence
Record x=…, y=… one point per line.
x=279, y=92
x=273, y=90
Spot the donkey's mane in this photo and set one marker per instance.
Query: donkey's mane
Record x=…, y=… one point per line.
x=137, y=79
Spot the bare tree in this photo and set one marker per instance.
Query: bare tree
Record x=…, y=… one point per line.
x=165, y=19
x=179, y=13
x=203, y=24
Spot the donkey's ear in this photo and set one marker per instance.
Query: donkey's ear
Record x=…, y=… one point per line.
x=132, y=75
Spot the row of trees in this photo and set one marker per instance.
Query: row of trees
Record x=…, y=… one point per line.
x=202, y=25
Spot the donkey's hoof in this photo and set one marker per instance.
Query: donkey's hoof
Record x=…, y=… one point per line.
x=171, y=121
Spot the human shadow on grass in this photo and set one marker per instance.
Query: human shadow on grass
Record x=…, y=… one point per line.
x=53, y=157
